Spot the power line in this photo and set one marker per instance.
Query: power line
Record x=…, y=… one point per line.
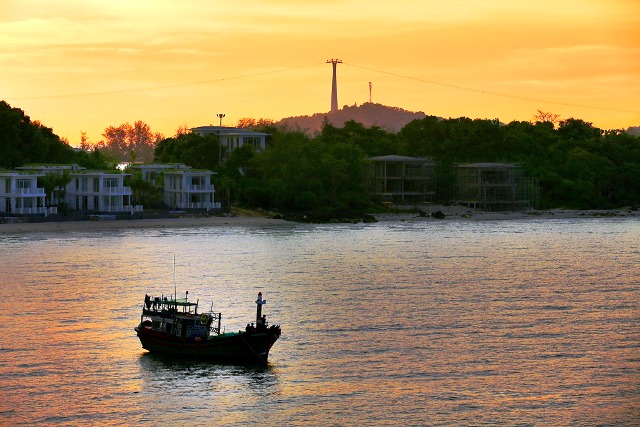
x=491, y=92
x=246, y=76
x=152, y=88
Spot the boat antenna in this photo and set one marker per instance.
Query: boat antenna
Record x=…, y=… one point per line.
x=175, y=289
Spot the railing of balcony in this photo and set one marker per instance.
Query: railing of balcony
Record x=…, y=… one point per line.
x=193, y=188
x=116, y=190
x=29, y=191
x=29, y=211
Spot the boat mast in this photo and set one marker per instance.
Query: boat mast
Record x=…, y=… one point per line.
x=259, y=302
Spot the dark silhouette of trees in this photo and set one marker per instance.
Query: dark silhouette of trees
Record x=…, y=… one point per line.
x=190, y=149
x=23, y=141
x=577, y=165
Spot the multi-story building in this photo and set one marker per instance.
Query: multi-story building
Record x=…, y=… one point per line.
x=98, y=191
x=495, y=186
x=184, y=187
x=402, y=179
x=19, y=193
x=232, y=138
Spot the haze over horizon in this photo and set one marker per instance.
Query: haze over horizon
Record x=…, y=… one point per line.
x=87, y=66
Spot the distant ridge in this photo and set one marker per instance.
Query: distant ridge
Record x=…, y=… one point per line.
x=391, y=119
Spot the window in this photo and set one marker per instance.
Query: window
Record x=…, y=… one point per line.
x=111, y=182
x=23, y=183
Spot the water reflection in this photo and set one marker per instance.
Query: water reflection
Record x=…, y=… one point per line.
x=447, y=323
x=201, y=390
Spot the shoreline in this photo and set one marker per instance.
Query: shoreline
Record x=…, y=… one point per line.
x=123, y=224
x=244, y=220
x=464, y=213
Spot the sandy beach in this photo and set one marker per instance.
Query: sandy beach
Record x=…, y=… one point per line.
x=245, y=220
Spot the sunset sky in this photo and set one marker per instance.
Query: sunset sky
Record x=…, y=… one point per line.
x=85, y=65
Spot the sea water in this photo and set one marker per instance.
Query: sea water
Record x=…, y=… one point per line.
x=414, y=323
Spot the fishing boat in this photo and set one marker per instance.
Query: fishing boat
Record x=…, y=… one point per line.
x=174, y=326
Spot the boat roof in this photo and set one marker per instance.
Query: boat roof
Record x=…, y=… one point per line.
x=182, y=302
x=169, y=300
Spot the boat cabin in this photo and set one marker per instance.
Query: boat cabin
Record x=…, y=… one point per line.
x=178, y=317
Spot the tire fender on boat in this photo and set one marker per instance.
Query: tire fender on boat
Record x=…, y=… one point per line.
x=204, y=318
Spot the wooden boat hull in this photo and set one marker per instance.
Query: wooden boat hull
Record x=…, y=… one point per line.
x=234, y=346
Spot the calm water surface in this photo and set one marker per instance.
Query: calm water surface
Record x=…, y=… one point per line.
x=437, y=323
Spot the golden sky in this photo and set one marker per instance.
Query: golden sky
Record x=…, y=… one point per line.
x=85, y=65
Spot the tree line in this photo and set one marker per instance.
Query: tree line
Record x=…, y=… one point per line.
x=577, y=165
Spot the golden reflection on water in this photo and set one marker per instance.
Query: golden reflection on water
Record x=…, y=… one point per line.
x=444, y=323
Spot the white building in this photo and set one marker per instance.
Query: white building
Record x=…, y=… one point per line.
x=184, y=187
x=56, y=198
x=19, y=193
x=98, y=191
x=151, y=171
x=189, y=189
x=232, y=138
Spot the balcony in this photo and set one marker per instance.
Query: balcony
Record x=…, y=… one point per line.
x=104, y=191
x=28, y=192
x=121, y=191
x=29, y=211
x=199, y=188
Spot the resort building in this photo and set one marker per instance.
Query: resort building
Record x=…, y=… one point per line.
x=402, y=179
x=57, y=195
x=189, y=189
x=184, y=187
x=232, y=138
x=152, y=172
x=495, y=186
x=99, y=191
x=19, y=193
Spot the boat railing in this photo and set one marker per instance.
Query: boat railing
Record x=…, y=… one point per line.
x=169, y=303
x=216, y=320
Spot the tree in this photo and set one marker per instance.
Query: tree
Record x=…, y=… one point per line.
x=23, y=141
x=130, y=141
x=546, y=117
x=191, y=149
x=55, y=187
x=146, y=193
x=253, y=124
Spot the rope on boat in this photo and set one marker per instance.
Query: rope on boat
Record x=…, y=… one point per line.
x=254, y=352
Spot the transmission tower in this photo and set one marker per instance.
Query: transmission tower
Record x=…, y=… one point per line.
x=334, y=85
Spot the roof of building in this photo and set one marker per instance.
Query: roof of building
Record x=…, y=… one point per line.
x=190, y=171
x=395, y=158
x=215, y=130
x=101, y=172
x=161, y=166
x=487, y=165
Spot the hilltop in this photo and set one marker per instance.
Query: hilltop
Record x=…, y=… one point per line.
x=391, y=119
